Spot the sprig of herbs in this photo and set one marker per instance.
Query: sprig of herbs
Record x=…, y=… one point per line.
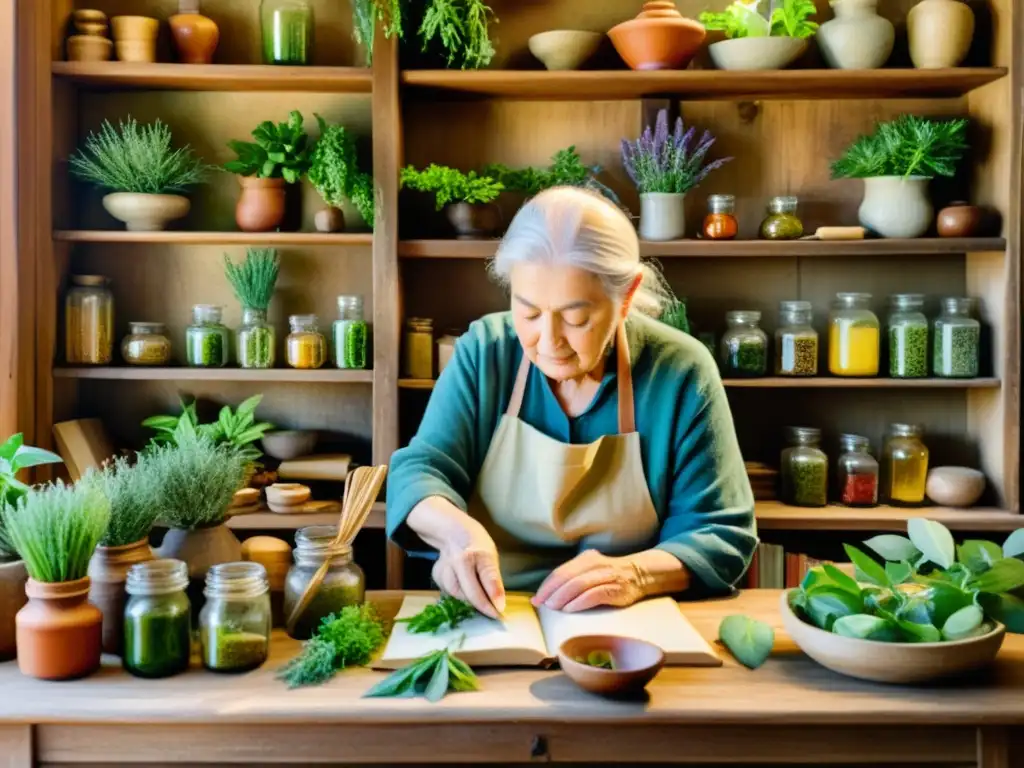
x=566, y=169
x=444, y=615
x=366, y=12
x=347, y=639
x=254, y=279
x=462, y=26
x=907, y=146
x=791, y=19
x=450, y=185
x=737, y=20
x=431, y=676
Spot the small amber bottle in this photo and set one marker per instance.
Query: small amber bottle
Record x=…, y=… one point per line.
x=720, y=223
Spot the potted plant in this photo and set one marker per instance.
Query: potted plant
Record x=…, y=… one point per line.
x=467, y=198
x=147, y=179
x=567, y=169
x=55, y=530
x=267, y=168
x=253, y=282
x=334, y=172
x=754, y=42
x=664, y=168
x=896, y=162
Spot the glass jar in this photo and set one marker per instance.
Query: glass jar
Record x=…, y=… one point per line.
x=720, y=223
x=804, y=469
x=157, y=619
x=146, y=344
x=904, y=465
x=206, y=340
x=853, y=336
x=254, y=340
x=445, y=350
x=908, y=337
x=351, y=335
x=287, y=27
x=856, y=472
x=418, y=352
x=782, y=222
x=957, y=338
x=744, y=345
x=796, y=342
x=234, y=625
x=89, y=321
x=307, y=347
x=343, y=584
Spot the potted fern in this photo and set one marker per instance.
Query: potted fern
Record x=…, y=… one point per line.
x=253, y=282
x=334, y=172
x=897, y=161
x=755, y=42
x=146, y=177
x=467, y=198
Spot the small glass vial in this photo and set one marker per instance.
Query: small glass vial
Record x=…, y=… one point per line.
x=957, y=339
x=234, y=625
x=782, y=222
x=904, y=466
x=446, y=349
x=157, y=619
x=206, y=340
x=720, y=222
x=744, y=345
x=89, y=321
x=908, y=337
x=287, y=27
x=307, y=347
x=853, y=336
x=344, y=583
x=351, y=335
x=146, y=344
x=804, y=469
x=418, y=352
x=796, y=341
x=856, y=472
x=255, y=340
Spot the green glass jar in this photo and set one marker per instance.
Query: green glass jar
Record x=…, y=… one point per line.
x=234, y=625
x=351, y=335
x=343, y=584
x=908, y=337
x=744, y=345
x=206, y=340
x=254, y=340
x=956, y=349
x=287, y=27
x=782, y=222
x=157, y=619
x=804, y=469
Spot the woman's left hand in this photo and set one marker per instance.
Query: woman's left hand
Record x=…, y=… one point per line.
x=591, y=579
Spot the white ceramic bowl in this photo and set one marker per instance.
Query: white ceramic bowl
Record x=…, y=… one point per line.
x=562, y=49
x=750, y=53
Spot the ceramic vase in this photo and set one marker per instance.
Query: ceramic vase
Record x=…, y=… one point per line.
x=474, y=221
x=59, y=632
x=939, y=33
x=329, y=219
x=857, y=38
x=662, y=216
x=108, y=572
x=146, y=213
x=13, y=577
x=200, y=550
x=261, y=206
x=659, y=38
x=135, y=38
x=960, y=219
x=195, y=36
x=894, y=206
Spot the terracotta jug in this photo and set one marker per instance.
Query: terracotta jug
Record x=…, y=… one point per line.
x=195, y=36
x=12, y=598
x=59, y=631
x=939, y=33
x=659, y=38
x=857, y=38
x=108, y=572
x=261, y=206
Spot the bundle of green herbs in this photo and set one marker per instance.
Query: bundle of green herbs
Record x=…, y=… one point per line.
x=134, y=498
x=279, y=151
x=14, y=457
x=254, y=279
x=449, y=185
x=566, y=169
x=444, y=615
x=674, y=314
x=237, y=429
x=367, y=13
x=907, y=146
x=347, y=639
x=662, y=162
x=432, y=676
x=334, y=171
x=790, y=18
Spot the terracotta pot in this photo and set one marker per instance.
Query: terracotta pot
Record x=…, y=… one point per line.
x=12, y=597
x=200, y=550
x=474, y=221
x=662, y=216
x=329, y=220
x=59, y=631
x=960, y=220
x=146, y=213
x=89, y=48
x=108, y=571
x=896, y=207
x=195, y=36
x=939, y=33
x=135, y=37
x=261, y=206
x=659, y=38
x=857, y=38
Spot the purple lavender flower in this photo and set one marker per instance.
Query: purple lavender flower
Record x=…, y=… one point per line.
x=660, y=162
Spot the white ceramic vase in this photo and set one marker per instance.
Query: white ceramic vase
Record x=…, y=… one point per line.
x=662, y=216
x=146, y=213
x=857, y=38
x=939, y=33
x=894, y=206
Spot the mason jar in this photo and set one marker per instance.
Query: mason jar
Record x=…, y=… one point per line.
x=157, y=619
x=146, y=344
x=89, y=321
x=418, y=348
x=343, y=584
x=351, y=335
x=908, y=336
x=804, y=468
x=206, y=340
x=287, y=28
x=957, y=340
x=853, y=336
x=306, y=346
x=254, y=340
x=234, y=625
x=856, y=472
x=796, y=341
x=744, y=345
x=782, y=223
x=904, y=465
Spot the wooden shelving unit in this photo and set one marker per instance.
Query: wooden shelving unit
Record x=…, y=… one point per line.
x=268, y=239
x=289, y=375
x=811, y=382
x=271, y=521
x=774, y=516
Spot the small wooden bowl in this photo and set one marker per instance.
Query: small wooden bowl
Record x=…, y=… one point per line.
x=636, y=663
x=287, y=494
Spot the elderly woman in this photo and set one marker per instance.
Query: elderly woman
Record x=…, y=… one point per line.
x=575, y=446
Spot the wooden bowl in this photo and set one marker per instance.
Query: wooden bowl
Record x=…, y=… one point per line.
x=563, y=49
x=636, y=663
x=288, y=444
x=287, y=494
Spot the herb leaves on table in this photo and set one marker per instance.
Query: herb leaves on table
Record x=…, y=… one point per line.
x=446, y=614
x=431, y=676
x=749, y=640
x=347, y=639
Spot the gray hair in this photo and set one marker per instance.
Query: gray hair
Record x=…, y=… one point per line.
x=580, y=228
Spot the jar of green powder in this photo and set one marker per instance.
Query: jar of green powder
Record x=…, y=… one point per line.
x=804, y=469
x=206, y=340
x=157, y=619
x=744, y=345
x=782, y=223
x=234, y=625
x=350, y=334
x=254, y=340
x=908, y=337
x=343, y=584
x=957, y=340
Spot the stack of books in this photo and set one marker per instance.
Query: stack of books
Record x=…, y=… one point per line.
x=774, y=568
x=763, y=479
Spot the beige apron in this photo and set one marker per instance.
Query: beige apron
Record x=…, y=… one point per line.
x=545, y=501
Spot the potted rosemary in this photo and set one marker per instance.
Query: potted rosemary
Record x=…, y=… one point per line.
x=755, y=42
x=334, y=173
x=467, y=198
x=253, y=282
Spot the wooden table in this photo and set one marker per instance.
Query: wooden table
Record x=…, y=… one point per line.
x=789, y=711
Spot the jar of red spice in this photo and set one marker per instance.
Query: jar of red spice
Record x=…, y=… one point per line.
x=720, y=223
x=857, y=473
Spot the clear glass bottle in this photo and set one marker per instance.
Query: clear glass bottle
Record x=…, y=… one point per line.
x=351, y=334
x=146, y=344
x=343, y=584
x=287, y=27
x=782, y=223
x=206, y=340
x=418, y=349
x=89, y=321
x=908, y=337
x=744, y=345
x=853, y=336
x=255, y=340
x=234, y=625
x=157, y=619
x=856, y=472
x=957, y=340
x=904, y=465
x=720, y=222
x=796, y=341
x=307, y=347
x=804, y=468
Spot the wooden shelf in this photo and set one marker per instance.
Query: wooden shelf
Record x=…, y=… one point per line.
x=271, y=521
x=292, y=375
x=773, y=515
x=705, y=84
x=118, y=236
x=816, y=382
x=214, y=77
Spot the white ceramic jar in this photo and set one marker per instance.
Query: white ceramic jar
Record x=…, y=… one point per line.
x=895, y=206
x=940, y=33
x=857, y=38
x=662, y=216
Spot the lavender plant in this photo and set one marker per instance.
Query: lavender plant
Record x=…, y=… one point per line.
x=662, y=162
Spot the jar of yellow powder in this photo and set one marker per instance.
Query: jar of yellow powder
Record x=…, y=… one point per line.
x=418, y=349
x=306, y=346
x=853, y=336
x=904, y=465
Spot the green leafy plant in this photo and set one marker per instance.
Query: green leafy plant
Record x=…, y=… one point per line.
x=788, y=19
x=907, y=146
x=598, y=659
x=566, y=169
x=449, y=185
x=280, y=151
x=254, y=279
x=334, y=171
x=238, y=429
x=462, y=27
x=675, y=315
x=137, y=158
x=749, y=640
x=364, y=15
x=791, y=19
x=14, y=457
x=446, y=614
x=431, y=676
x=134, y=499
x=347, y=639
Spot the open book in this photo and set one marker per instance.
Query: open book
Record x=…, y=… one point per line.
x=529, y=636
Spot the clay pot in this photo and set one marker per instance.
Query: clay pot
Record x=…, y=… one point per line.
x=329, y=220
x=662, y=216
x=200, y=550
x=960, y=220
x=135, y=38
x=659, y=38
x=195, y=36
x=146, y=213
x=894, y=206
x=12, y=597
x=564, y=49
x=261, y=206
x=756, y=53
x=939, y=33
x=89, y=48
x=474, y=221
x=857, y=38
x=59, y=631
x=108, y=572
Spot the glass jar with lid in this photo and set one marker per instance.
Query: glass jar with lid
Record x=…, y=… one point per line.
x=351, y=335
x=904, y=465
x=796, y=341
x=856, y=472
x=89, y=321
x=157, y=619
x=287, y=28
x=720, y=222
x=908, y=336
x=744, y=345
x=418, y=348
x=307, y=347
x=803, y=468
x=782, y=223
x=206, y=340
x=146, y=344
x=234, y=625
x=255, y=340
x=853, y=336
x=957, y=340
x=344, y=583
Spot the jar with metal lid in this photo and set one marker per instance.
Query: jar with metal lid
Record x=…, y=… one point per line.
x=255, y=340
x=234, y=625
x=206, y=340
x=89, y=321
x=344, y=583
x=146, y=344
x=904, y=465
x=908, y=336
x=796, y=341
x=744, y=345
x=957, y=339
x=446, y=349
x=157, y=619
x=804, y=469
x=782, y=223
x=307, y=347
x=418, y=349
x=853, y=336
x=856, y=472
x=351, y=335
x=720, y=222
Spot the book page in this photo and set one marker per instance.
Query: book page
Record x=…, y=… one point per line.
x=658, y=621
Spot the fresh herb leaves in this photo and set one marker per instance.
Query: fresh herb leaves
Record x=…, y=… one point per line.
x=906, y=146
x=348, y=639
x=431, y=676
x=749, y=640
x=599, y=659
x=790, y=18
x=446, y=614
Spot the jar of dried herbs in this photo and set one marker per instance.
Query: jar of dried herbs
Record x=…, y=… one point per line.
x=206, y=340
x=957, y=341
x=146, y=344
x=720, y=222
x=307, y=347
x=804, y=469
x=234, y=625
x=254, y=340
x=853, y=336
x=351, y=335
x=796, y=342
x=89, y=321
x=782, y=223
x=157, y=619
x=856, y=472
x=343, y=584
x=418, y=348
x=744, y=345
x=908, y=336
x=904, y=465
